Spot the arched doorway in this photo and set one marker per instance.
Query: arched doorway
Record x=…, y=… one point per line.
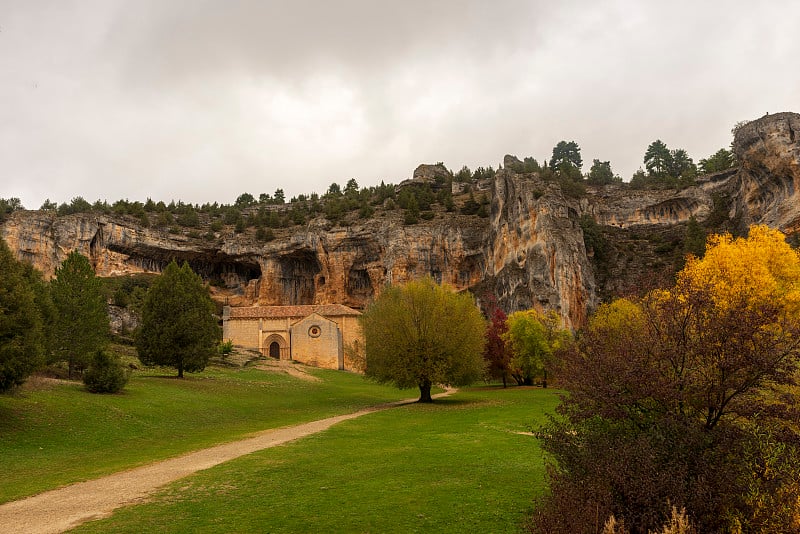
x=274, y=345
x=274, y=350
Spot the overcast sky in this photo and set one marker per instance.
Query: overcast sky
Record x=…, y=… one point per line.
x=201, y=100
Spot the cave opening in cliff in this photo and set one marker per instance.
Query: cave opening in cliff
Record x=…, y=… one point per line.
x=221, y=270
x=232, y=274
x=359, y=285
x=297, y=273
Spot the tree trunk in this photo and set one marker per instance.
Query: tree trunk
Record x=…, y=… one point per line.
x=425, y=392
x=544, y=380
x=180, y=370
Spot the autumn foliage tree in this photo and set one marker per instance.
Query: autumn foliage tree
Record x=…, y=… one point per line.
x=533, y=338
x=684, y=398
x=495, y=352
x=421, y=334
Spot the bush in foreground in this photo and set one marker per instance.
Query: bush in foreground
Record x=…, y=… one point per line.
x=685, y=398
x=105, y=374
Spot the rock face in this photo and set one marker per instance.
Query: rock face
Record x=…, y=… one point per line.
x=315, y=266
x=768, y=183
x=536, y=257
x=530, y=252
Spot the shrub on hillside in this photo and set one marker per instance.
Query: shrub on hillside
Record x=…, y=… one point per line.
x=226, y=347
x=105, y=374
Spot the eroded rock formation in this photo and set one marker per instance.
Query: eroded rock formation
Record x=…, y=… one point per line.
x=529, y=252
x=766, y=187
x=535, y=254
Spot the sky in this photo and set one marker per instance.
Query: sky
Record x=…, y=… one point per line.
x=202, y=100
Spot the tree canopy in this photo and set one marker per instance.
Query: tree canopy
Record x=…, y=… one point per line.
x=566, y=153
x=657, y=158
x=665, y=168
x=178, y=325
x=721, y=160
x=495, y=352
x=81, y=324
x=421, y=334
x=566, y=160
x=533, y=338
x=601, y=173
x=21, y=340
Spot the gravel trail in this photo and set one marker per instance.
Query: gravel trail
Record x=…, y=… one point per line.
x=67, y=507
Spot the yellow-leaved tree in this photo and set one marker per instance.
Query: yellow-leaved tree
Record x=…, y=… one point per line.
x=533, y=338
x=731, y=323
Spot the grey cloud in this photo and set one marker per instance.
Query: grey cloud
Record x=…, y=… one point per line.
x=201, y=100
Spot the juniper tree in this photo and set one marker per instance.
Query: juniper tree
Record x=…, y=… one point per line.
x=81, y=326
x=178, y=327
x=20, y=323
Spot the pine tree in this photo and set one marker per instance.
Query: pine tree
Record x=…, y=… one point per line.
x=20, y=323
x=81, y=325
x=178, y=326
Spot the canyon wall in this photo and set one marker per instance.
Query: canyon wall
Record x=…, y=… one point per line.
x=529, y=251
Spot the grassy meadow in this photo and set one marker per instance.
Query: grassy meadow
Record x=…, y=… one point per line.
x=54, y=433
x=461, y=464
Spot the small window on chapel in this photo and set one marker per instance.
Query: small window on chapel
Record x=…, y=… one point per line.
x=314, y=331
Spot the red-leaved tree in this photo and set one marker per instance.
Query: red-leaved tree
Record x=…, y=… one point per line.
x=495, y=352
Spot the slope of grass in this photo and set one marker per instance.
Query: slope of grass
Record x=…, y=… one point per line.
x=54, y=433
x=462, y=464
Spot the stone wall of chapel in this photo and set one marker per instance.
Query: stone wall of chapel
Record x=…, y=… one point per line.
x=316, y=341
x=243, y=332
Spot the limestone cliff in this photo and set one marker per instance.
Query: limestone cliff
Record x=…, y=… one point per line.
x=313, y=266
x=529, y=252
x=768, y=184
x=536, y=257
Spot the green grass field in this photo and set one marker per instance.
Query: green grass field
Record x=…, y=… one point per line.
x=459, y=465
x=52, y=434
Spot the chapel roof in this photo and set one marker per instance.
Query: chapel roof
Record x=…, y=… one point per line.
x=281, y=312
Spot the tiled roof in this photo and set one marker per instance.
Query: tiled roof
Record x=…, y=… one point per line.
x=281, y=312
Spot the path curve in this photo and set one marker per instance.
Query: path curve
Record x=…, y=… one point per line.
x=65, y=508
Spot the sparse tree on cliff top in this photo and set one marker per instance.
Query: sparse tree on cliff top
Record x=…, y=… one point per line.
x=20, y=323
x=178, y=326
x=721, y=160
x=601, y=173
x=422, y=334
x=566, y=153
x=81, y=327
x=657, y=158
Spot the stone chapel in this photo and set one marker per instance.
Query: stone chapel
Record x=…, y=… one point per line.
x=320, y=335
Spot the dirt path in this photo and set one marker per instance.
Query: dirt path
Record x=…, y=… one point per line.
x=287, y=367
x=64, y=508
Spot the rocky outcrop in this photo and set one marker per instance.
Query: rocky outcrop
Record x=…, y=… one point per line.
x=313, y=266
x=530, y=252
x=536, y=257
x=351, y=265
x=618, y=206
x=768, y=185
